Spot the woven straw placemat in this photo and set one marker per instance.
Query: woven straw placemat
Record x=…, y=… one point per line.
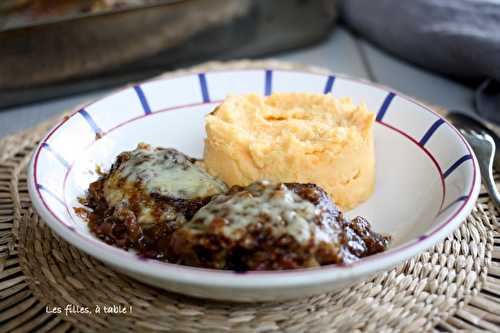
x=453, y=286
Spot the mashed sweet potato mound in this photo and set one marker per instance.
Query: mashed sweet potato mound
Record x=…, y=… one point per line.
x=294, y=137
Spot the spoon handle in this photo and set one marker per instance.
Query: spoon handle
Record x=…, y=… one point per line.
x=486, y=167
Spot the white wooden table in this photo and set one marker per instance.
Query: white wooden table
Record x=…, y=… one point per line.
x=342, y=52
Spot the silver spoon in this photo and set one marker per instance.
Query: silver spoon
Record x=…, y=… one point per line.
x=470, y=122
x=484, y=147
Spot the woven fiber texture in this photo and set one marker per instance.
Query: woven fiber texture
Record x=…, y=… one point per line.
x=453, y=286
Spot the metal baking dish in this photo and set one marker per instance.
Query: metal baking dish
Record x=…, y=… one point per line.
x=18, y=14
x=75, y=53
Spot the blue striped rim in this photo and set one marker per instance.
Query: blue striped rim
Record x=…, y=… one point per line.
x=456, y=165
x=46, y=190
x=142, y=98
x=431, y=131
x=461, y=198
x=56, y=155
x=91, y=122
x=385, y=106
x=268, y=89
x=204, y=88
x=329, y=84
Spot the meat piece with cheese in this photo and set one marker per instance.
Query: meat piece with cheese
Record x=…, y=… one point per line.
x=147, y=194
x=273, y=226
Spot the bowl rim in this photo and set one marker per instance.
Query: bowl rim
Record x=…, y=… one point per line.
x=263, y=279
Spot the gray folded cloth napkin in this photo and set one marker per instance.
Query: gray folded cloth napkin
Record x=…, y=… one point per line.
x=460, y=38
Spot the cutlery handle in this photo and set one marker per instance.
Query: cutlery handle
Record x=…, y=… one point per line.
x=486, y=167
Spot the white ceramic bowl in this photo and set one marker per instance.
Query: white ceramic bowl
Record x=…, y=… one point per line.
x=427, y=175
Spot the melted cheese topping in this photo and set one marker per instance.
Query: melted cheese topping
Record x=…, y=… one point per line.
x=283, y=210
x=148, y=171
